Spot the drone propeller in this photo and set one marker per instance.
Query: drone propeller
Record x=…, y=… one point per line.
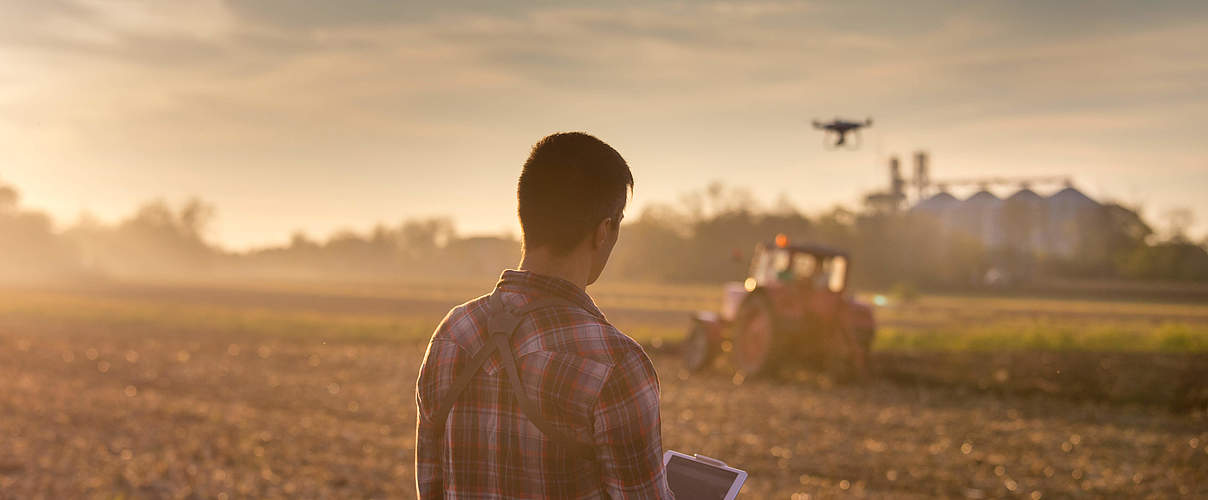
x=828, y=140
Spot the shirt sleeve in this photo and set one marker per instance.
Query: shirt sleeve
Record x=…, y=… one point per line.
x=628, y=433
x=428, y=480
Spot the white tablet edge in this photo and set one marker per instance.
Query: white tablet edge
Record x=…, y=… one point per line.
x=737, y=485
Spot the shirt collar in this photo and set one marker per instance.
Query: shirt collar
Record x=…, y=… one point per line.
x=530, y=283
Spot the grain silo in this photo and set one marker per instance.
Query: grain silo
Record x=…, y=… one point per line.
x=1070, y=215
x=1024, y=221
x=980, y=215
x=941, y=207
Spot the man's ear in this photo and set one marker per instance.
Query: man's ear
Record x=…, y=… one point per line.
x=600, y=236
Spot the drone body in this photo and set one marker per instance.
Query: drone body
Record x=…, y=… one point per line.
x=839, y=129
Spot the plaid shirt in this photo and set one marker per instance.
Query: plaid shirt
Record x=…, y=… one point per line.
x=586, y=378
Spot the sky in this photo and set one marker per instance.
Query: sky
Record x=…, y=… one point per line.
x=319, y=116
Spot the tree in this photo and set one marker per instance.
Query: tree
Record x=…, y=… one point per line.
x=8, y=198
x=1178, y=221
x=422, y=237
x=30, y=250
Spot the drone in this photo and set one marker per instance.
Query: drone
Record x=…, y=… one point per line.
x=839, y=128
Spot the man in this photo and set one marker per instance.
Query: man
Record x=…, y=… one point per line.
x=585, y=423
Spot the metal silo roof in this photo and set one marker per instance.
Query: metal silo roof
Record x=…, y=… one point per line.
x=1025, y=195
x=982, y=197
x=937, y=202
x=1071, y=196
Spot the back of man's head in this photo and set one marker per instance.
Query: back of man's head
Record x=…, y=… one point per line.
x=570, y=182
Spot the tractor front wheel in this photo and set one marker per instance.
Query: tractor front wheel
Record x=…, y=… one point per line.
x=699, y=348
x=757, y=338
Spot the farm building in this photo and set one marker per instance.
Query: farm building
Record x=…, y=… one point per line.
x=1054, y=225
x=1059, y=225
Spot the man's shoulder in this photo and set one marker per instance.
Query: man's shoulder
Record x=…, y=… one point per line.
x=463, y=322
x=561, y=327
x=568, y=328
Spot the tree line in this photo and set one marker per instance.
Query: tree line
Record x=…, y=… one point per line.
x=705, y=237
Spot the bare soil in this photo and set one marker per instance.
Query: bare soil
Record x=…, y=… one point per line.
x=142, y=412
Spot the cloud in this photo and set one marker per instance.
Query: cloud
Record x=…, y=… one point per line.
x=159, y=89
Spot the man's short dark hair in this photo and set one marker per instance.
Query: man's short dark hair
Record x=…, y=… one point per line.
x=570, y=182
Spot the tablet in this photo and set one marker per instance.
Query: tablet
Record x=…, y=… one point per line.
x=698, y=476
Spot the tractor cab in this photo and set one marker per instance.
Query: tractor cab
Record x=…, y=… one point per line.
x=811, y=267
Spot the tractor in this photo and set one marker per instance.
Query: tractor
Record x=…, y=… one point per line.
x=793, y=308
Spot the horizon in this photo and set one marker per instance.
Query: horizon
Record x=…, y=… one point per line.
x=323, y=117
x=762, y=206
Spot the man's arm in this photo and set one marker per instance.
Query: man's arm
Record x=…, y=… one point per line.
x=628, y=436
x=428, y=482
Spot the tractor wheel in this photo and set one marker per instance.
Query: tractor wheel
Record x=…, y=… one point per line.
x=864, y=340
x=699, y=349
x=758, y=340
x=865, y=337
x=849, y=362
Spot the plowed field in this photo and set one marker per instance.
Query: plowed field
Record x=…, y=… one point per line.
x=104, y=403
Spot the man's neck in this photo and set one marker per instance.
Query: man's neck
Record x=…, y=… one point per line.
x=569, y=267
